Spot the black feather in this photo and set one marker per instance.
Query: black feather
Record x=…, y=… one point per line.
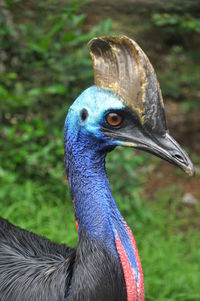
x=97, y=275
x=32, y=268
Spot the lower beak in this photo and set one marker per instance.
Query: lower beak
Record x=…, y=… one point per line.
x=166, y=148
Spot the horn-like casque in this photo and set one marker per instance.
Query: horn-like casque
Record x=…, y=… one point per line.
x=121, y=66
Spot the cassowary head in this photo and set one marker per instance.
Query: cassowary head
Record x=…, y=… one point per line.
x=125, y=107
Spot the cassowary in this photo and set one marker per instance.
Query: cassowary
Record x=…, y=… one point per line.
x=124, y=108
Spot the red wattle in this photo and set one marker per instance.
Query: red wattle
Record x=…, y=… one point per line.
x=76, y=224
x=140, y=284
x=131, y=287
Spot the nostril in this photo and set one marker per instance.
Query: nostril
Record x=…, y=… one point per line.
x=179, y=158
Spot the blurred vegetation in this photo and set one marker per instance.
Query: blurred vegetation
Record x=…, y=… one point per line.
x=181, y=37
x=44, y=65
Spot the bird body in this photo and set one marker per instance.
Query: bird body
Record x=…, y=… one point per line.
x=106, y=263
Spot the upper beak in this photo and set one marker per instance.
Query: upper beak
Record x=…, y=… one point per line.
x=164, y=147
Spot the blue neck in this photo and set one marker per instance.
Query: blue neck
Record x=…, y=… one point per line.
x=95, y=209
x=89, y=186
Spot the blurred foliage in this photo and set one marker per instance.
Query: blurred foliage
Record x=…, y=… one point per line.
x=180, y=36
x=177, y=24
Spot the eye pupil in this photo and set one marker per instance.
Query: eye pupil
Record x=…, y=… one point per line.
x=114, y=119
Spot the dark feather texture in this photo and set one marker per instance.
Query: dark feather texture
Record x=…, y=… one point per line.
x=31, y=267
x=97, y=275
x=34, y=269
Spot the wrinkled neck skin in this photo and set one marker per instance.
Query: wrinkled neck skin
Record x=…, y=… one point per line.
x=95, y=209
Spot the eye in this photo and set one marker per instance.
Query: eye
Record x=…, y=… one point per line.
x=114, y=119
x=84, y=114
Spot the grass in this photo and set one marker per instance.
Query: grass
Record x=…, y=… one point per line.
x=169, y=245
x=170, y=256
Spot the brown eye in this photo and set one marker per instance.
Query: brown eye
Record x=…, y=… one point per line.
x=114, y=119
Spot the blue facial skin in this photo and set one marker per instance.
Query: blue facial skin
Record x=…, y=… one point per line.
x=95, y=209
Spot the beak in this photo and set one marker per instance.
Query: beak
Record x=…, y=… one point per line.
x=164, y=147
x=159, y=143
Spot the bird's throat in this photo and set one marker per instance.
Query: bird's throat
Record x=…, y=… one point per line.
x=98, y=215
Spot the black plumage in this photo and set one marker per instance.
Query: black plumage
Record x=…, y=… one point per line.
x=33, y=268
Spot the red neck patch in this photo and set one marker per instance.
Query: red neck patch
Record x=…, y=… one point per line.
x=135, y=290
